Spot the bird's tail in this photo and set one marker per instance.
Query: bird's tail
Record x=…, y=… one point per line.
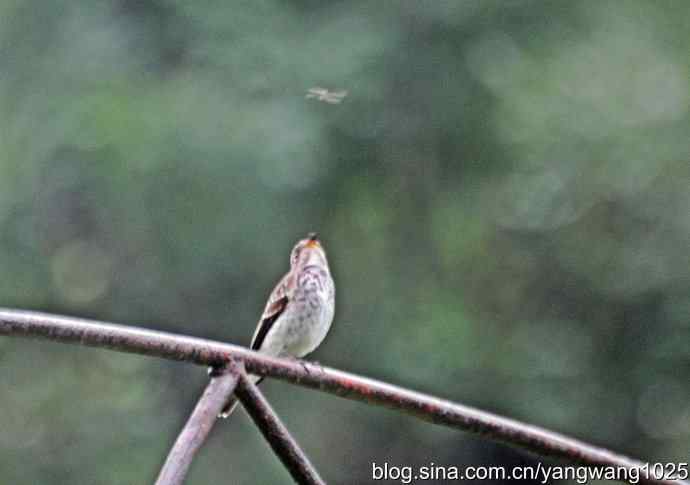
x=232, y=402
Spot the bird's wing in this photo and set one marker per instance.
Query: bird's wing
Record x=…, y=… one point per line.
x=275, y=307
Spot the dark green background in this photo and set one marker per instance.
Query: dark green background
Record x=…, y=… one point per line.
x=504, y=195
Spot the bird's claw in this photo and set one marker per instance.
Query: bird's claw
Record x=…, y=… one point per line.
x=304, y=366
x=313, y=363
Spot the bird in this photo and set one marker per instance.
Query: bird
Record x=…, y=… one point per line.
x=299, y=310
x=323, y=94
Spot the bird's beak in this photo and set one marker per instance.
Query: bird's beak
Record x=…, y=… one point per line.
x=313, y=243
x=313, y=240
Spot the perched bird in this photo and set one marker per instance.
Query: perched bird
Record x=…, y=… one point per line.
x=299, y=310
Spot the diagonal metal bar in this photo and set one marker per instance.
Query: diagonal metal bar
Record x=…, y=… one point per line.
x=197, y=428
x=275, y=432
x=422, y=406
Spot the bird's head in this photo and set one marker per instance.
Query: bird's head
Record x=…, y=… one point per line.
x=308, y=251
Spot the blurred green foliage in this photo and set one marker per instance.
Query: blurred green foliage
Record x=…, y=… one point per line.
x=504, y=194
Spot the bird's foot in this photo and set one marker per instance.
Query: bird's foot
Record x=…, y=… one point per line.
x=306, y=364
x=318, y=364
